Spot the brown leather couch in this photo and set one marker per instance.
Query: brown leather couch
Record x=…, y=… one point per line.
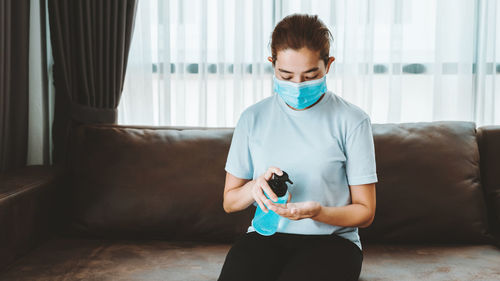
x=145, y=203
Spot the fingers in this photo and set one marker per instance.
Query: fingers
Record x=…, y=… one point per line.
x=258, y=198
x=289, y=210
x=263, y=197
x=269, y=192
x=292, y=214
x=262, y=188
x=271, y=170
x=265, y=185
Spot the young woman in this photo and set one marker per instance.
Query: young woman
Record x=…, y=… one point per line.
x=325, y=144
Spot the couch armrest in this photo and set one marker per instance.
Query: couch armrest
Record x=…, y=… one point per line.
x=488, y=138
x=28, y=206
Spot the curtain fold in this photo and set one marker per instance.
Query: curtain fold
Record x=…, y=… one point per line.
x=90, y=45
x=14, y=91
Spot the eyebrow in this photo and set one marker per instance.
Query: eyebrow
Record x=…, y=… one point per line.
x=307, y=71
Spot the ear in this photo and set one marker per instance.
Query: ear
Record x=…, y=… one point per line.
x=330, y=60
x=270, y=59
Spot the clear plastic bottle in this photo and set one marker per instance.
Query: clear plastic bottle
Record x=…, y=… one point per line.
x=267, y=223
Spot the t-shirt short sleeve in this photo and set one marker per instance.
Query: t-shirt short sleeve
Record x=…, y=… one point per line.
x=239, y=160
x=360, y=154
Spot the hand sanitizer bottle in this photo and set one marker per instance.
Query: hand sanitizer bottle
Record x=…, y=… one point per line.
x=267, y=223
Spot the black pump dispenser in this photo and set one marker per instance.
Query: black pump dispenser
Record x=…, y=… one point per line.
x=278, y=183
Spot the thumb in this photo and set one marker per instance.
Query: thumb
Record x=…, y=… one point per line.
x=289, y=197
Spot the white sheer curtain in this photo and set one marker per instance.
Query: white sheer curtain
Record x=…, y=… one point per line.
x=201, y=62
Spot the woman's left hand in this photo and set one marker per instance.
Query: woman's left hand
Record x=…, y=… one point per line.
x=296, y=210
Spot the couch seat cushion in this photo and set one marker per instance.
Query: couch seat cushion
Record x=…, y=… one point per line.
x=86, y=259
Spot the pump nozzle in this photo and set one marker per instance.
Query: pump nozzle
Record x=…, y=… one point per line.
x=278, y=184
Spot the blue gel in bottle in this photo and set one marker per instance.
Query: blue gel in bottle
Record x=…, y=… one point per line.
x=267, y=223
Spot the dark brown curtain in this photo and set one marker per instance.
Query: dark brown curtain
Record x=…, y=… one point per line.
x=90, y=44
x=14, y=90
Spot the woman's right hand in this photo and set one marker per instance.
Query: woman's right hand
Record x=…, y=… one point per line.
x=261, y=185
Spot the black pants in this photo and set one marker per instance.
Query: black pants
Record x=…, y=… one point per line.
x=286, y=256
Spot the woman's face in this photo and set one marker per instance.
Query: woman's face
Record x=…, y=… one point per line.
x=300, y=65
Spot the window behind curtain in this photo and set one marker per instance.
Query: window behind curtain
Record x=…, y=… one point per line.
x=201, y=63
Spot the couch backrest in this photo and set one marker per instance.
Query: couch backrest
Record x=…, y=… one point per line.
x=152, y=182
x=429, y=187
x=168, y=182
x=488, y=138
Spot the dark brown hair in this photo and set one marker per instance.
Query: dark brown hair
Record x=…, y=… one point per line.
x=301, y=30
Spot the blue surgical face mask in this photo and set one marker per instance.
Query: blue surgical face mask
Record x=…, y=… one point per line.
x=300, y=95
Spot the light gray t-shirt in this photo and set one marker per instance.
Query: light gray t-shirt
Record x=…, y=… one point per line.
x=324, y=149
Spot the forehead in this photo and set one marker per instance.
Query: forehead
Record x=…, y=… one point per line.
x=297, y=60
